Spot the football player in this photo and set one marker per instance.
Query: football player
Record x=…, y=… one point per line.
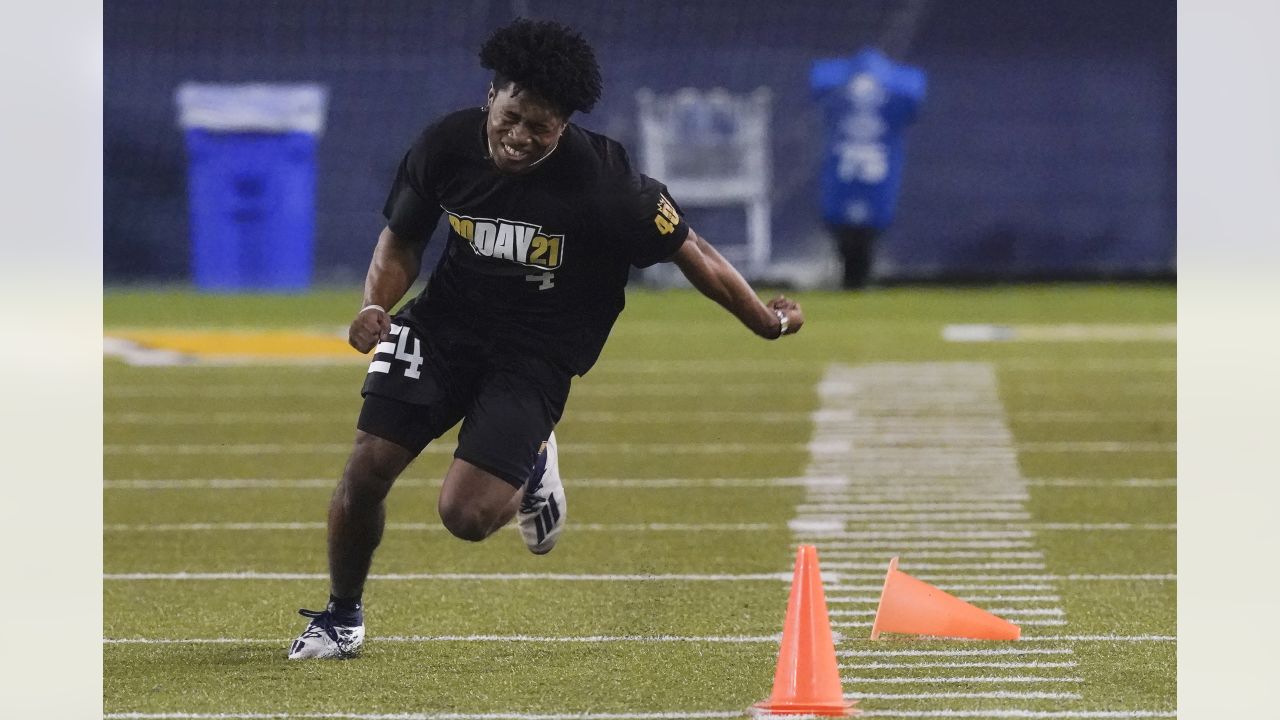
x=545, y=221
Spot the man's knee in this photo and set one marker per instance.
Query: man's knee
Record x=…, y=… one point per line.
x=465, y=522
x=372, y=469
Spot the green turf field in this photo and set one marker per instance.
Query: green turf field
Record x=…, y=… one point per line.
x=1034, y=477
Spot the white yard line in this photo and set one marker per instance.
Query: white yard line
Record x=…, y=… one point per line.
x=586, y=448
x=956, y=458
x=945, y=680
x=827, y=547
x=934, y=555
x=1004, y=665
x=834, y=531
x=1099, y=638
x=1022, y=622
x=929, y=577
x=980, y=652
x=949, y=587
x=875, y=599
x=637, y=417
x=671, y=715
x=330, y=482
x=1055, y=611
x=433, y=527
x=1122, y=482
x=416, y=639
x=992, y=695
x=916, y=567
x=415, y=577
x=1027, y=714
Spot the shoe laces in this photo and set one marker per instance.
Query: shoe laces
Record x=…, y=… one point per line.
x=321, y=623
x=531, y=500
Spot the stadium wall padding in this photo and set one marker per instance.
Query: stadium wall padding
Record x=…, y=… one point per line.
x=1045, y=146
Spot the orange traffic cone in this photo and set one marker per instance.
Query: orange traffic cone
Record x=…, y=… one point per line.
x=908, y=605
x=807, y=681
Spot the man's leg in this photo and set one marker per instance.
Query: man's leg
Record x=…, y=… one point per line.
x=358, y=511
x=474, y=503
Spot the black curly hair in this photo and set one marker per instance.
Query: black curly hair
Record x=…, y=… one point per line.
x=548, y=59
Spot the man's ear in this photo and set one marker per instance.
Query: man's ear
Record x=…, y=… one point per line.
x=493, y=94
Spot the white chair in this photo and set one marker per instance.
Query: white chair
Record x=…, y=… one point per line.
x=711, y=149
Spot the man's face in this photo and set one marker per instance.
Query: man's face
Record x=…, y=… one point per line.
x=521, y=129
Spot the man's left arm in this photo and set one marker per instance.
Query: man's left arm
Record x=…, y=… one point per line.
x=714, y=277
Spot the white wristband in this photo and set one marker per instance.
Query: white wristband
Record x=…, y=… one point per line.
x=782, y=322
x=371, y=307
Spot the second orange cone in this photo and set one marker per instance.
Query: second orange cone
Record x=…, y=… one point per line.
x=807, y=680
x=912, y=606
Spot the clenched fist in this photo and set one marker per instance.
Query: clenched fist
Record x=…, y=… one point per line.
x=370, y=325
x=795, y=316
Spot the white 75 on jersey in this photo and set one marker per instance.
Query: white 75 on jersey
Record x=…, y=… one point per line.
x=400, y=351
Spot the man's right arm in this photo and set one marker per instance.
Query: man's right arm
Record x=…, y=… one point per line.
x=395, y=265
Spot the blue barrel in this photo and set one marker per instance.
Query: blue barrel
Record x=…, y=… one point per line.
x=251, y=187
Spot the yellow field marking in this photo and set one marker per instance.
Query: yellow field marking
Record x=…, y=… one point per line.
x=260, y=344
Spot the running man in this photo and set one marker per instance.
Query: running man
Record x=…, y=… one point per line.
x=546, y=220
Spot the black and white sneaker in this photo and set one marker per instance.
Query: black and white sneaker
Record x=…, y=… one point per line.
x=542, y=510
x=327, y=637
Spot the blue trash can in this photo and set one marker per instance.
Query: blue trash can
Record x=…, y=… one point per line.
x=251, y=183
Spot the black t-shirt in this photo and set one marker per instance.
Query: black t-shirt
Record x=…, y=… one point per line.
x=536, y=262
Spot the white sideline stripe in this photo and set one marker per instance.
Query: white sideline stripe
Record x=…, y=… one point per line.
x=975, y=679
x=957, y=665
x=436, y=527
x=589, y=448
x=1027, y=714
x=949, y=653
x=468, y=638
x=253, y=575
x=993, y=695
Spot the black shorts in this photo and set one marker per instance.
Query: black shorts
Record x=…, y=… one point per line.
x=420, y=384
